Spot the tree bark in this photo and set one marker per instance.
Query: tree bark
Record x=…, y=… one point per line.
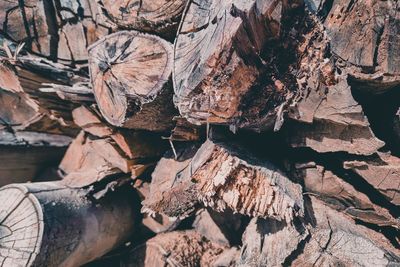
x=130, y=75
x=47, y=224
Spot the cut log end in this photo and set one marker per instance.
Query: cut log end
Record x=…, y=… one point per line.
x=129, y=71
x=21, y=227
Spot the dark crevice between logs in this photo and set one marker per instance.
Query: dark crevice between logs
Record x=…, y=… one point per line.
x=381, y=110
x=278, y=72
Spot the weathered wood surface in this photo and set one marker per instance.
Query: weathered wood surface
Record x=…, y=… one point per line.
x=180, y=248
x=382, y=172
x=60, y=30
x=220, y=70
x=155, y=16
x=47, y=224
x=130, y=74
x=342, y=196
x=26, y=155
x=225, y=177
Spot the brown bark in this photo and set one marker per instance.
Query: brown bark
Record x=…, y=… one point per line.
x=47, y=224
x=130, y=75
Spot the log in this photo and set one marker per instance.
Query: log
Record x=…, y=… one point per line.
x=167, y=195
x=59, y=30
x=225, y=70
x=23, y=82
x=223, y=176
x=160, y=16
x=363, y=34
x=327, y=118
x=130, y=75
x=25, y=155
x=180, y=248
x=47, y=224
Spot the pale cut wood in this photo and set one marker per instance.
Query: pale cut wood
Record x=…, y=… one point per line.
x=89, y=160
x=337, y=241
x=180, y=248
x=382, y=172
x=219, y=62
x=47, y=224
x=130, y=73
x=160, y=16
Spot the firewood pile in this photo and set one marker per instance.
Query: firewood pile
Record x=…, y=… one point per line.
x=199, y=133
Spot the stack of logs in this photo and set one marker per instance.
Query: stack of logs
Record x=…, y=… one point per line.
x=199, y=133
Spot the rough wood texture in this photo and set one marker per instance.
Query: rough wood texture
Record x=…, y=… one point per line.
x=27, y=104
x=336, y=240
x=228, y=177
x=219, y=62
x=57, y=29
x=364, y=34
x=331, y=120
x=130, y=75
x=46, y=224
x=268, y=242
x=26, y=155
x=221, y=177
x=185, y=248
x=159, y=16
x=382, y=172
x=167, y=195
x=342, y=196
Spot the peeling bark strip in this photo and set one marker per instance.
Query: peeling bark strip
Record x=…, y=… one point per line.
x=130, y=72
x=46, y=224
x=181, y=248
x=56, y=29
x=219, y=60
x=161, y=16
